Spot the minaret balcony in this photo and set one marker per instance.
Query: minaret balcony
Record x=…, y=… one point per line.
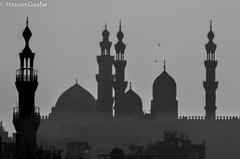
x=26, y=75
x=36, y=114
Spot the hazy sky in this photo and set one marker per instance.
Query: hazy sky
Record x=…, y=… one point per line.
x=66, y=36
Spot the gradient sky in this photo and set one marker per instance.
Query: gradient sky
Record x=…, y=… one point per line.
x=66, y=35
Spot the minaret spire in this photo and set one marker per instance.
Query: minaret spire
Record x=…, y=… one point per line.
x=164, y=65
x=105, y=26
x=210, y=25
x=27, y=22
x=105, y=76
x=26, y=116
x=120, y=26
x=76, y=80
x=210, y=84
x=120, y=63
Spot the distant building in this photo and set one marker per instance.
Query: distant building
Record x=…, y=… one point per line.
x=172, y=147
x=77, y=150
x=4, y=134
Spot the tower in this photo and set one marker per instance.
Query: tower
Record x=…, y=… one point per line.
x=105, y=77
x=26, y=117
x=119, y=84
x=210, y=84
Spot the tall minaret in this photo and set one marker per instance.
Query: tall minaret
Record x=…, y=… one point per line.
x=120, y=84
x=105, y=77
x=26, y=117
x=210, y=84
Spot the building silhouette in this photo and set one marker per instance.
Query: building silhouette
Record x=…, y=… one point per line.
x=173, y=146
x=210, y=84
x=105, y=77
x=26, y=117
x=120, y=84
x=78, y=115
x=164, y=104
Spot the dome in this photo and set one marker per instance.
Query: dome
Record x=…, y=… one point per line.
x=131, y=103
x=164, y=86
x=75, y=99
x=117, y=153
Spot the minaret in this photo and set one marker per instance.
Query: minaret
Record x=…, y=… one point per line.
x=105, y=77
x=26, y=117
x=210, y=84
x=120, y=84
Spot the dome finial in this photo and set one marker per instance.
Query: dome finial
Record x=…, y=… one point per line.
x=130, y=84
x=76, y=80
x=164, y=64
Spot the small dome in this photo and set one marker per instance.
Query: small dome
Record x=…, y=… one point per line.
x=117, y=153
x=131, y=103
x=164, y=86
x=75, y=100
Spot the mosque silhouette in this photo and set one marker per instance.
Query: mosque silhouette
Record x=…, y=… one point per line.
x=77, y=115
x=128, y=104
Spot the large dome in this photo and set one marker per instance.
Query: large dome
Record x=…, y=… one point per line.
x=75, y=99
x=164, y=86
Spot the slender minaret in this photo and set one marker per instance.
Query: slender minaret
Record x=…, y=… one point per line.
x=210, y=84
x=120, y=84
x=105, y=77
x=26, y=117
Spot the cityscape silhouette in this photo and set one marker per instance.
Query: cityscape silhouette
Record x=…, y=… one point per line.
x=114, y=125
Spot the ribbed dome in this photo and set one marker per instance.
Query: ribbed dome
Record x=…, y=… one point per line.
x=76, y=99
x=164, y=86
x=131, y=103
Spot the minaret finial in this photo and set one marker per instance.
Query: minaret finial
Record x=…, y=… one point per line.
x=27, y=22
x=120, y=25
x=105, y=25
x=210, y=25
x=164, y=64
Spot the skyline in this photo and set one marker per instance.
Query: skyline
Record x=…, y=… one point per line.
x=187, y=35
